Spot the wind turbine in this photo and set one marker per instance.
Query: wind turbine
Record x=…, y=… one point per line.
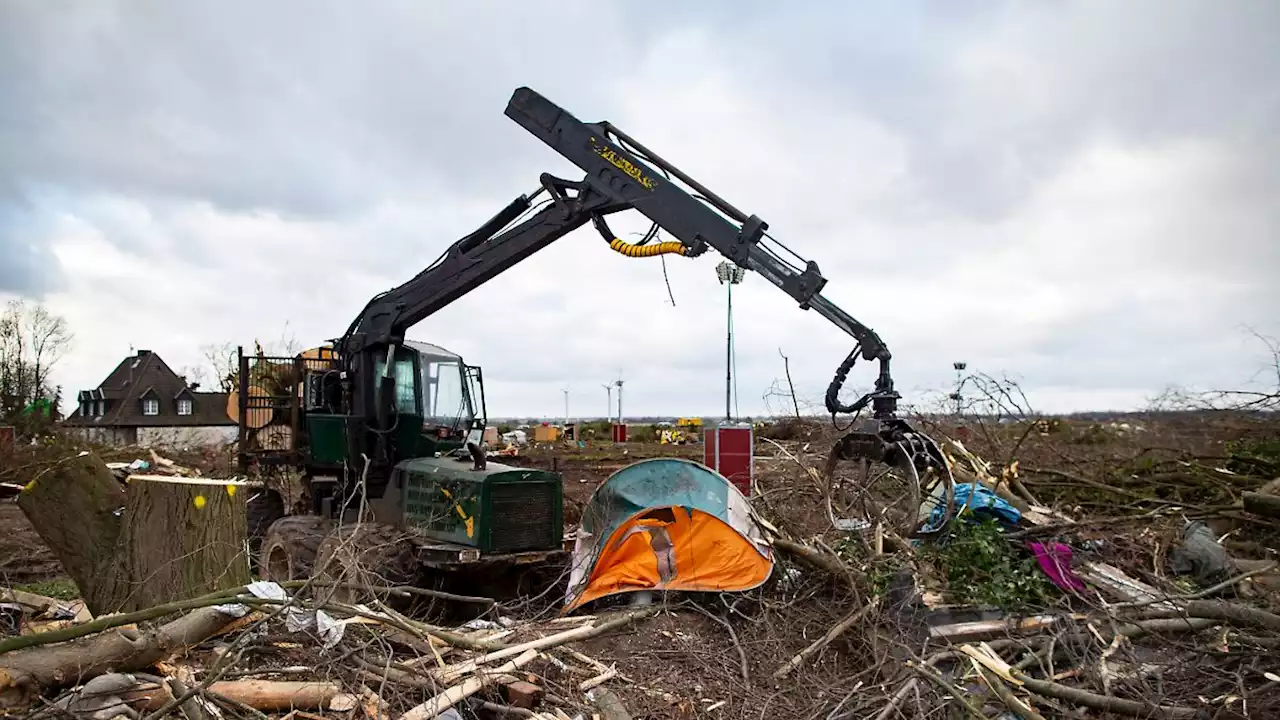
x=608, y=389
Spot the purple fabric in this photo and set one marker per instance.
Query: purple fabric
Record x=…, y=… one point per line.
x=1055, y=561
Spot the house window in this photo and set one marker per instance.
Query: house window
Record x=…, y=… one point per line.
x=184, y=406
x=151, y=406
x=100, y=407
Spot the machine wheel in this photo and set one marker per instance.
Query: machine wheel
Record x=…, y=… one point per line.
x=369, y=554
x=289, y=547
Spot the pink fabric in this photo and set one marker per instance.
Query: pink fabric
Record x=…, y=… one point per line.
x=1055, y=561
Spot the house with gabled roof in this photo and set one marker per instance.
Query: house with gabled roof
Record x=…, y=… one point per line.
x=144, y=402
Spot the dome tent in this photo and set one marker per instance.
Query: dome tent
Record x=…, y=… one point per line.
x=667, y=524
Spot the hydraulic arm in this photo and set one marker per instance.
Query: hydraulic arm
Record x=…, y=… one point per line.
x=618, y=166
x=618, y=177
x=622, y=174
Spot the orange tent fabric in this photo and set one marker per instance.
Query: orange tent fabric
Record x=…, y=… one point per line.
x=692, y=551
x=690, y=546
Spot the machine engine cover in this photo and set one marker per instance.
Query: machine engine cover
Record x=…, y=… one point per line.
x=501, y=509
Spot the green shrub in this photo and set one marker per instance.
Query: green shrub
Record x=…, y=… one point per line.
x=982, y=567
x=1254, y=456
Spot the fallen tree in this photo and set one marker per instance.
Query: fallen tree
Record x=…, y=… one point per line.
x=26, y=673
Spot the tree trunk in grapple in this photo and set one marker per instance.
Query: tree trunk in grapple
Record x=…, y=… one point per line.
x=156, y=540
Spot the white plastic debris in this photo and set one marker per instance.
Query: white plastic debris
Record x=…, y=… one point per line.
x=852, y=524
x=295, y=619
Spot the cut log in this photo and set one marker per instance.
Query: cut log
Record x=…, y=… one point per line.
x=27, y=673
x=275, y=437
x=1262, y=504
x=990, y=629
x=266, y=695
x=467, y=688
x=256, y=418
x=157, y=540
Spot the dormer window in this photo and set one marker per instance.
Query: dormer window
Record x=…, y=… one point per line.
x=184, y=406
x=100, y=408
x=151, y=406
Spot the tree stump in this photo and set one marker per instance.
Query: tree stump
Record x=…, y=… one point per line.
x=183, y=537
x=158, y=540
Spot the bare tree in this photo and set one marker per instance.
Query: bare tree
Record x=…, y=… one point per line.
x=776, y=391
x=1261, y=393
x=194, y=375
x=287, y=344
x=32, y=341
x=12, y=380
x=49, y=339
x=221, y=362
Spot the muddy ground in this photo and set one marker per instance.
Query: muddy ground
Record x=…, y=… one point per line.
x=1081, y=447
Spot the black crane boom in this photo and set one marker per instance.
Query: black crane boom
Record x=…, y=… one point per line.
x=620, y=174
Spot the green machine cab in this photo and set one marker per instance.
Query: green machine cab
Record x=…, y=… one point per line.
x=446, y=499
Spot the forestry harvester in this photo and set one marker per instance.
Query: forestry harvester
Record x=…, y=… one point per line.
x=387, y=432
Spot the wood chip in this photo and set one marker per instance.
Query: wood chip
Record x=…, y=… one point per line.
x=344, y=702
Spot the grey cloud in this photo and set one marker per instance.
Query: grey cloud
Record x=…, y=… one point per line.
x=26, y=265
x=321, y=140
x=1061, y=74
x=301, y=108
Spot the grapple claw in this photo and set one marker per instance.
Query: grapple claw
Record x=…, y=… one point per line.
x=923, y=472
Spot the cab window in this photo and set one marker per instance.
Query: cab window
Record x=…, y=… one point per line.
x=406, y=385
x=444, y=397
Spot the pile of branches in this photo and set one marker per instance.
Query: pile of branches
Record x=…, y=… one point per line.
x=1139, y=636
x=267, y=648
x=852, y=623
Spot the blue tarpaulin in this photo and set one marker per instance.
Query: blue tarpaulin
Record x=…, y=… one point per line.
x=980, y=501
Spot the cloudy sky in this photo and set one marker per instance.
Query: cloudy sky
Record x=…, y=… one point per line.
x=1083, y=195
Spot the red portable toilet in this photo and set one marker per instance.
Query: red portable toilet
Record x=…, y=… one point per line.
x=619, y=432
x=729, y=449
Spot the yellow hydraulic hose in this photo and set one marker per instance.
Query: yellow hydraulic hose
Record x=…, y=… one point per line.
x=662, y=248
